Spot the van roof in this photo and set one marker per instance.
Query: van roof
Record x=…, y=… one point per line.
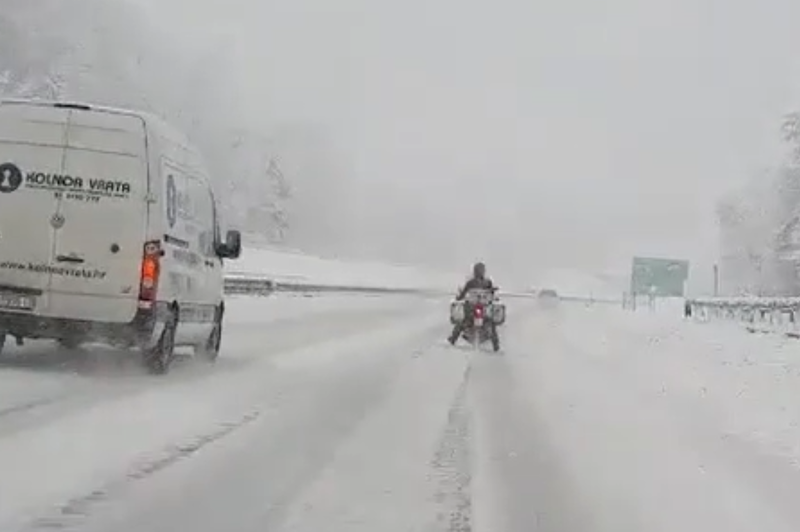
x=156, y=123
x=159, y=125
x=73, y=105
x=151, y=119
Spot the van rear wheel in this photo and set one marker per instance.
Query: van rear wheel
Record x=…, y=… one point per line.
x=209, y=351
x=158, y=359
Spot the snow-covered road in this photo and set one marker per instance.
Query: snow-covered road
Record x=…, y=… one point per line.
x=353, y=414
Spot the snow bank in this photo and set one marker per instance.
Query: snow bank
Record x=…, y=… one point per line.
x=577, y=284
x=664, y=424
x=670, y=308
x=290, y=265
x=286, y=265
x=749, y=383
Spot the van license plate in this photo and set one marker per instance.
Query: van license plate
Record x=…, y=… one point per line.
x=17, y=301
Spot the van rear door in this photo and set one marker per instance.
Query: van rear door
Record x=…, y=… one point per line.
x=31, y=143
x=101, y=218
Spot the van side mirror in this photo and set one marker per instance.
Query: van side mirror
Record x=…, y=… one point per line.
x=232, y=247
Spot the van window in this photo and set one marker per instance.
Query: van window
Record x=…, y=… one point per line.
x=203, y=217
x=217, y=231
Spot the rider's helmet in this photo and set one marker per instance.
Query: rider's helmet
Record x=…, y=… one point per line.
x=479, y=270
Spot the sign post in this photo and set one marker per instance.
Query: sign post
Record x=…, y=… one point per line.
x=716, y=280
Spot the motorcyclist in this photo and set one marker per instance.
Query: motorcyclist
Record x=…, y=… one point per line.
x=478, y=281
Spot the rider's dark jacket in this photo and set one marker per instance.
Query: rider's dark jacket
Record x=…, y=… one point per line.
x=475, y=283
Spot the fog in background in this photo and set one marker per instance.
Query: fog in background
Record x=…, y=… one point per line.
x=531, y=134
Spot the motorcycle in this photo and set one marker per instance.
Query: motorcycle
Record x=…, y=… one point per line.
x=487, y=314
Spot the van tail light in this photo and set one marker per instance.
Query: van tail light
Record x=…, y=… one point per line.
x=151, y=270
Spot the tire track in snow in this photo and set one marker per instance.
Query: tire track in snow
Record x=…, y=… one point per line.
x=73, y=512
x=525, y=477
x=113, y=374
x=100, y=494
x=452, y=466
x=81, y=396
x=31, y=405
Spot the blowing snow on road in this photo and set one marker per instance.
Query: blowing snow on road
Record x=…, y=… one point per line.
x=349, y=413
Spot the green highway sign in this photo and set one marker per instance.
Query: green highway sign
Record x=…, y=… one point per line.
x=659, y=277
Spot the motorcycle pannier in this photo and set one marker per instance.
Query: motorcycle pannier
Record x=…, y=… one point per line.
x=499, y=313
x=456, y=312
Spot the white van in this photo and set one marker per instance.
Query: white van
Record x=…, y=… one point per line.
x=108, y=232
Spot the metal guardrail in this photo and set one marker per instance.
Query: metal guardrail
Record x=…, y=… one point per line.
x=259, y=286
x=599, y=300
x=778, y=315
x=263, y=285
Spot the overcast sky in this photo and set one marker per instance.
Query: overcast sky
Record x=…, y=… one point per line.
x=531, y=133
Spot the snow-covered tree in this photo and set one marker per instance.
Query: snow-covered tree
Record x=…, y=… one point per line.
x=760, y=225
x=289, y=182
x=30, y=57
x=320, y=187
x=110, y=53
x=790, y=130
x=278, y=201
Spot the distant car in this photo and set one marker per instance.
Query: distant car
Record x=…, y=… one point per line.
x=548, y=293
